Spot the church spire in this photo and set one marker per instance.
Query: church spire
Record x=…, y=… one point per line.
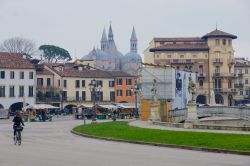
x=110, y=35
x=104, y=41
x=133, y=41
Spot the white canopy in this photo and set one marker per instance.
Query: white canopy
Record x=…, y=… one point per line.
x=39, y=106
x=87, y=105
x=108, y=106
x=126, y=105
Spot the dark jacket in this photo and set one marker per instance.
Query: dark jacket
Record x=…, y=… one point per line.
x=18, y=121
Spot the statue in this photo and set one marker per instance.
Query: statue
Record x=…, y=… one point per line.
x=191, y=88
x=154, y=90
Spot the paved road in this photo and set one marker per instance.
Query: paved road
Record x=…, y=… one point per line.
x=52, y=144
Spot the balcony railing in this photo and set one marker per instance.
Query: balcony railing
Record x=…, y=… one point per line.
x=238, y=85
x=47, y=89
x=240, y=74
x=201, y=75
x=225, y=90
x=217, y=74
x=182, y=61
x=230, y=61
x=217, y=61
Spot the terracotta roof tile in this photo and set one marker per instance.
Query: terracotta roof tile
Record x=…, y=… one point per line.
x=14, y=61
x=179, y=39
x=218, y=33
x=182, y=47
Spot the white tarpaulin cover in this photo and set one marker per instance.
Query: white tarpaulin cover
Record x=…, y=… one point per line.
x=126, y=105
x=39, y=106
x=87, y=105
x=108, y=106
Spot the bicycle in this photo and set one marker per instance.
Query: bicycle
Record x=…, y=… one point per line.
x=18, y=136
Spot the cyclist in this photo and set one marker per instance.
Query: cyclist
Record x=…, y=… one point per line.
x=17, y=123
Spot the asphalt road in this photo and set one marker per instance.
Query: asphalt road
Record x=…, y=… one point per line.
x=52, y=144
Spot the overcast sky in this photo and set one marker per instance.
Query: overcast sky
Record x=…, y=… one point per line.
x=77, y=25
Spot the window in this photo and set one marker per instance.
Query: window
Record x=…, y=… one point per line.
x=77, y=96
x=128, y=81
x=241, y=92
x=224, y=42
x=65, y=83
x=181, y=56
x=161, y=43
x=99, y=96
x=201, y=68
x=128, y=93
x=217, y=69
x=48, y=82
x=119, y=92
x=112, y=96
x=83, y=96
x=229, y=83
x=217, y=42
x=194, y=56
x=2, y=91
x=39, y=81
x=31, y=91
x=178, y=67
x=21, y=91
x=217, y=83
x=201, y=83
x=247, y=92
x=246, y=81
x=30, y=75
x=2, y=75
x=218, y=55
x=229, y=42
x=111, y=83
x=12, y=91
x=58, y=83
x=119, y=81
x=21, y=74
x=246, y=71
x=83, y=83
x=77, y=83
x=64, y=95
x=240, y=71
x=169, y=56
x=99, y=82
x=12, y=74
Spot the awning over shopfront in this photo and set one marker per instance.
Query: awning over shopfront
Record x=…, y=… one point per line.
x=126, y=105
x=87, y=105
x=108, y=106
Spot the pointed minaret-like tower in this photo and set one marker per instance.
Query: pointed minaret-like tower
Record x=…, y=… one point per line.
x=104, y=41
x=110, y=35
x=133, y=42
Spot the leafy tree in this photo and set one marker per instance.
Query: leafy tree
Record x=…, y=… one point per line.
x=51, y=53
x=19, y=45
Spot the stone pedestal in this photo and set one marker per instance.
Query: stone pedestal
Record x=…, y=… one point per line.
x=191, y=115
x=154, y=114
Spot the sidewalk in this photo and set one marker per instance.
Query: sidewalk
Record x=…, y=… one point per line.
x=147, y=124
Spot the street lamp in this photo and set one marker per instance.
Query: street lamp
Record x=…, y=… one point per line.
x=93, y=89
x=135, y=90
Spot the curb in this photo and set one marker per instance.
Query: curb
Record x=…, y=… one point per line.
x=247, y=153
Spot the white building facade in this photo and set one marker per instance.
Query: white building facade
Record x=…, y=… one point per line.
x=17, y=81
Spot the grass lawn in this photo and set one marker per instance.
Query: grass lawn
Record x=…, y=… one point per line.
x=121, y=130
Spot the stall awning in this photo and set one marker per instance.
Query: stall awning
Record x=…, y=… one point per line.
x=87, y=105
x=39, y=106
x=108, y=106
x=126, y=105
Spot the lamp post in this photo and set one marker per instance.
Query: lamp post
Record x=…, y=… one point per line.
x=93, y=89
x=135, y=90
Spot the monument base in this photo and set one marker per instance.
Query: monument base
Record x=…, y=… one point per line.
x=154, y=114
x=192, y=117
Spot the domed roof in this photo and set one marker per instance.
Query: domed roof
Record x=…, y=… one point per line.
x=132, y=57
x=96, y=54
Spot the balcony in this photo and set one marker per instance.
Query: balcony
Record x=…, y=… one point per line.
x=201, y=75
x=218, y=61
x=232, y=75
x=225, y=90
x=240, y=86
x=182, y=61
x=47, y=89
x=230, y=61
x=240, y=74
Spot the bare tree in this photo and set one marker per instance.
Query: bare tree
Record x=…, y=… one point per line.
x=19, y=45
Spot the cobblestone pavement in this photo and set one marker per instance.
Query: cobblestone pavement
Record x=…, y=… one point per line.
x=52, y=144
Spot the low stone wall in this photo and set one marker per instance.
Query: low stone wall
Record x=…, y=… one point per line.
x=221, y=127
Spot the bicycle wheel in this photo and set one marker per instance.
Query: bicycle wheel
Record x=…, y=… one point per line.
x=19, y=138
